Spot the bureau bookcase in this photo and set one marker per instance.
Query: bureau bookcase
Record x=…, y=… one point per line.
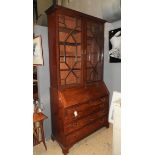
x=79, y=97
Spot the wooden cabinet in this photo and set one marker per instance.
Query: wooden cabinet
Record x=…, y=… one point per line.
x=79, y=97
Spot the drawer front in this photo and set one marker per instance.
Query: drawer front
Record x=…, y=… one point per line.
x=77, y=124
x=78, y=111
x=85, y=131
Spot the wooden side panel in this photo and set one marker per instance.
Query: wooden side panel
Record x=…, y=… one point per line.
x=52, y=48
x=52, y=35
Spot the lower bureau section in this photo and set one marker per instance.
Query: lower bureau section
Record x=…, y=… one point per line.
x=78, y=112
x=85, y=131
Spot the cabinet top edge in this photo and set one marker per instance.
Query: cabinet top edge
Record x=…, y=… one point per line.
x=61, y=8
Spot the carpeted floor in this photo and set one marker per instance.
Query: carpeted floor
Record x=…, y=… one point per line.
x=98, y=143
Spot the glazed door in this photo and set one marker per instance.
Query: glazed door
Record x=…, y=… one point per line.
x=70, y=45
x=94, y=51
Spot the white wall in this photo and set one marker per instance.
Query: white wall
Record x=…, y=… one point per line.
x=112, y=71
x=43, y=5
x=109, y=10
x=44, y=79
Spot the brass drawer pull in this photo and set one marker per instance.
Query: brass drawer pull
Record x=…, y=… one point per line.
x=75, y=113
x=103, y=99
x=92, y=119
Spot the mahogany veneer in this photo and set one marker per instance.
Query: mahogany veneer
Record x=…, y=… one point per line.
x=79, y=97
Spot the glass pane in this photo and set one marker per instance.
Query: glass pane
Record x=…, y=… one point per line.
x=95, y=45
x=71, y=79
x=70, y=50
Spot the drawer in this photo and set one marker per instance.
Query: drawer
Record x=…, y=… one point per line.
x=78, y=111
x=68, y=128
x=85, y=131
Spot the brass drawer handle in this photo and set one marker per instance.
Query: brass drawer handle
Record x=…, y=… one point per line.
x=59, y=99
x=75, y=113
x=92, y=119
x=101, y=120
x=103, y=99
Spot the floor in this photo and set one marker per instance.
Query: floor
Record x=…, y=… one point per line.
x=98, y=143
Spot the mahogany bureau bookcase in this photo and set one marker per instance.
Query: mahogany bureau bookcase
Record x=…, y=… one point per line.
x=79, y=97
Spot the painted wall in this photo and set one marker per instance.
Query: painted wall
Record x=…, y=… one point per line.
x=109, y=10
x=112, y=71
x=44, y=79
x=43, y=5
